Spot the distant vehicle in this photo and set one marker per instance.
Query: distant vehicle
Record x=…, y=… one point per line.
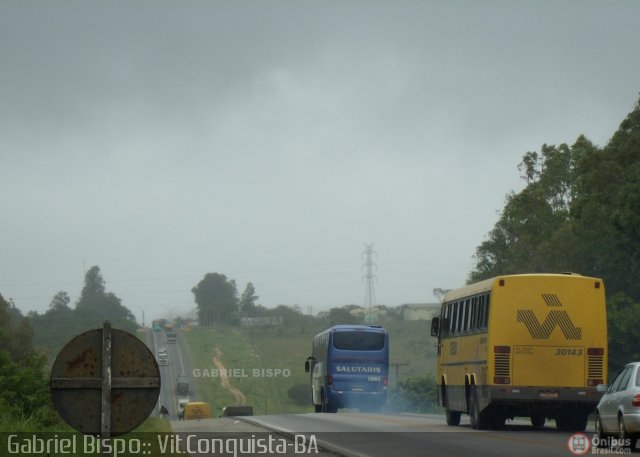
x=182, y=384
x=157, y=328
x=172, y=337
x=618, y=413
x=196, y=410
x=349, y=367
x=182, y=402
x=162, y=349
x=532, y=345
x=163, y=359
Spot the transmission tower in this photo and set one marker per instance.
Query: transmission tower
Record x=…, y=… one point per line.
x=368, y=266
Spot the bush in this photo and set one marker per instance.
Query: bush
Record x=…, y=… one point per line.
x=415, y=395
x=300, y=394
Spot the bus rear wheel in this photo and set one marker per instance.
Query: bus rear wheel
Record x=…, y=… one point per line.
x=537, y=420
x=330, y=408
x=479, y=419
x=569, y=423
x=453, y=417
x=326, y=406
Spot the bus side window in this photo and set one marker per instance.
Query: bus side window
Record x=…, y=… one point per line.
x=467, y=312
x=447, y=319
x=474, y=313
x=454, y=319
x=481, y=311
x=486, y=314
x=463, y=326
x=470, y=314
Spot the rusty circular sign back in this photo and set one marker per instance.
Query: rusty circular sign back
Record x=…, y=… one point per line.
x=105, y=382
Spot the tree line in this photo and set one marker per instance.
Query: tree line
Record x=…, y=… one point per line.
x=579, y=211
x=218, y=303
x=62, y=321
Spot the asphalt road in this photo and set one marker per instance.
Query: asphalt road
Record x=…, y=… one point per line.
x=373, y=435
x=378, y=435
x=360, y=434
x=179, y=364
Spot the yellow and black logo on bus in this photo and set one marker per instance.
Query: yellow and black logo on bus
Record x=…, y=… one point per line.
x=555, y=318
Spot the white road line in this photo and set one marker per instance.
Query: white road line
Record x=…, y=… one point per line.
x=180, y=354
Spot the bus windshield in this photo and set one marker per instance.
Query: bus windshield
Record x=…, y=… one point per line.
x=358, y=341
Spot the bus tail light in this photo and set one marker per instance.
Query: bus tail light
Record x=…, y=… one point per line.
x=501, y=380
x=595, y=351
x=594, y=382
x=329, y=380
x=636, y=400
x=502, y=349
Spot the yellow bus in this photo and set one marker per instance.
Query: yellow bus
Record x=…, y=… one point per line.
x=531, y=345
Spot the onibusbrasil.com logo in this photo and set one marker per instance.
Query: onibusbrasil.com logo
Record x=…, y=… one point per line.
x=581, y=444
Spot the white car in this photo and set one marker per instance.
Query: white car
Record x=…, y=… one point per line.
x=618, y=413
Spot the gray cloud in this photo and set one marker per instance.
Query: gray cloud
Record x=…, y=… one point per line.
x=270, y=140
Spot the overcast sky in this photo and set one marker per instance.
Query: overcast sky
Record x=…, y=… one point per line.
x=270, y=140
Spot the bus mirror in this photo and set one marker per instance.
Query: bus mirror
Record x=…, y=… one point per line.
x=435, y=327
x=308, y=365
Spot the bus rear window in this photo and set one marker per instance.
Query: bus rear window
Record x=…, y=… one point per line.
x=358, y=341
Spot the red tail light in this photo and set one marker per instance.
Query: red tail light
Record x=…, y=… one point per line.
x=501, y=380
x=595, y=351
x=502, y=349
x=386, y=381
x=329, y=380
x=594, y=382
x=636, y=400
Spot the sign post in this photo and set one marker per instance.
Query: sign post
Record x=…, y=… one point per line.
x=105, y=382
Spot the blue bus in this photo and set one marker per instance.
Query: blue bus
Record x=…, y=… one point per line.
x=349, y=368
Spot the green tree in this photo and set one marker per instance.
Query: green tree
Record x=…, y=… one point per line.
x=60, y=301
x=54, y=328
x=529, y=231
x=580, y=211
x=16, y=333
x=96, y=305
x=606, y=211
x=623, y=313
x=24, y=390
x=217, y=299
x=248, y=301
